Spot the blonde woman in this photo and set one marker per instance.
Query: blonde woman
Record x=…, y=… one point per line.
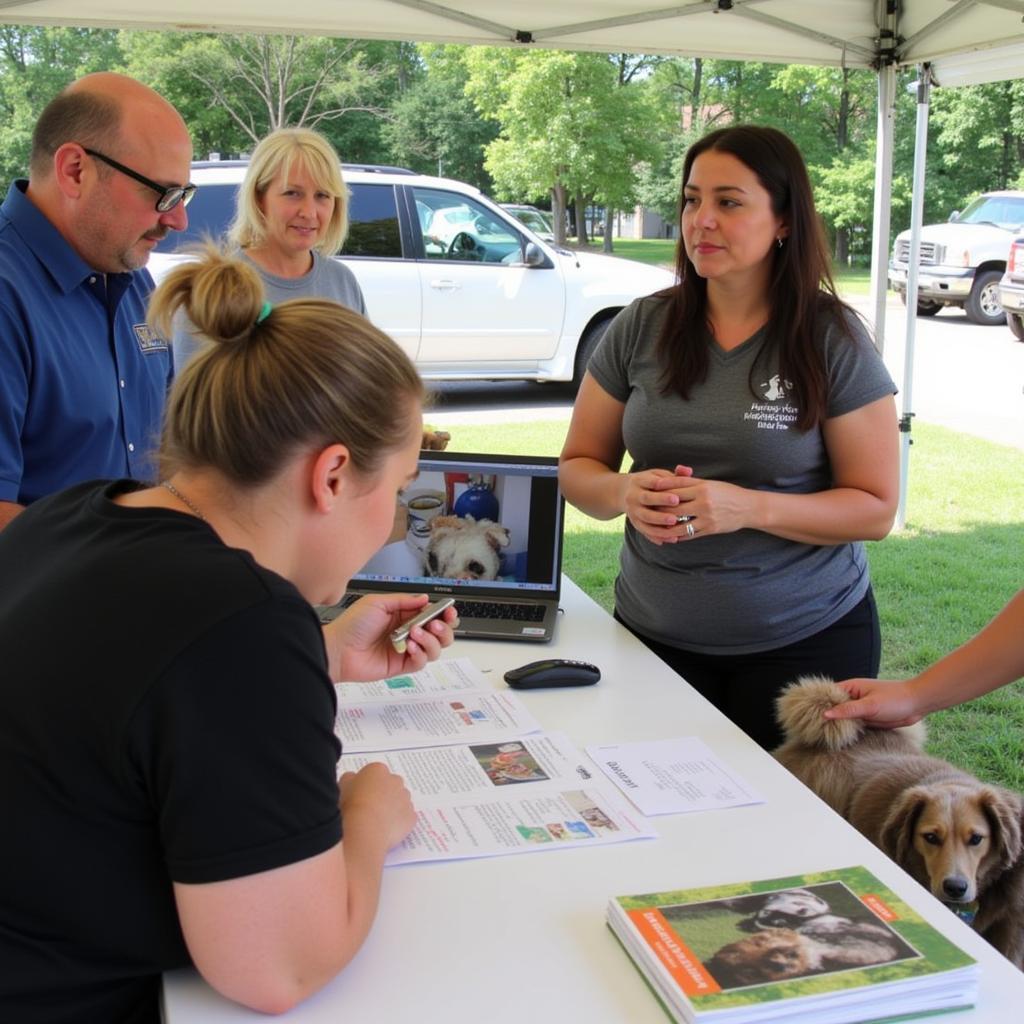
x=291, y=218
x=169, y=766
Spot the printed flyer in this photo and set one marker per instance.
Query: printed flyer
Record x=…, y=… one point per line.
x=513, y=796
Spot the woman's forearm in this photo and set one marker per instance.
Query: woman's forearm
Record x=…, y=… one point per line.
x=829, y=517
x=992, y=658
x=592, y=487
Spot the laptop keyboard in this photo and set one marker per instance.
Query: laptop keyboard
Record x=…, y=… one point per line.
x=510, y=611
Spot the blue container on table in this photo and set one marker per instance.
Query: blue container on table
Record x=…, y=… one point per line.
x=478, y=501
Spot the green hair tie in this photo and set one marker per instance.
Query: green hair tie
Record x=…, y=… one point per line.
x=264, y=312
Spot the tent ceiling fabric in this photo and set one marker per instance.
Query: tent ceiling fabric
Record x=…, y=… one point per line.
x=968, y=40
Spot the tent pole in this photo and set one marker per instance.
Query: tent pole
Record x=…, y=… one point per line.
x=924, y=86
x=883, y=201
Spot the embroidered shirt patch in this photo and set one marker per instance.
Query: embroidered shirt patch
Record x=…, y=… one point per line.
x=148, y=339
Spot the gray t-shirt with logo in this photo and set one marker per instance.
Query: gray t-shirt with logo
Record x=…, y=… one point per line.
x=746, y=591
x=326, y=279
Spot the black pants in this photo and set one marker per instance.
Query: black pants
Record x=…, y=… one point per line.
x=744, y=686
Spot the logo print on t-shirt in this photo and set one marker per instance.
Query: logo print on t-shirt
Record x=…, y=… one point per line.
x=776, y=388
x=148, y=339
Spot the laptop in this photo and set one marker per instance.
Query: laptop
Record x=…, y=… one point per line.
x=486, y=529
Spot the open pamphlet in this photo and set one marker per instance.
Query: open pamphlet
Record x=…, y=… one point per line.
x=832, y=947
x=512, y=796
x=448, y=702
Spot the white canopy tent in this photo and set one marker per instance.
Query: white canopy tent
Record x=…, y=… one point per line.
x=960, y=41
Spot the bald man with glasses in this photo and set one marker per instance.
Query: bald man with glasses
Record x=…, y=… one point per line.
x=82, y=375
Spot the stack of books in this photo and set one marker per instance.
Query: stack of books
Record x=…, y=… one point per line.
x=833, y=947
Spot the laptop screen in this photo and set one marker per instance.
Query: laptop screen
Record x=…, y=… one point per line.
x=475, y=523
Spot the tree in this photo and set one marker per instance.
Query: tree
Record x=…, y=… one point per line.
x=233, y=90
x=835, y=132
x=35, y=64
x=976, y=143
x=566, y=128
x=434, y=127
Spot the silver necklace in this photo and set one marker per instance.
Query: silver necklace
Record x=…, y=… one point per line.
x=181, y=497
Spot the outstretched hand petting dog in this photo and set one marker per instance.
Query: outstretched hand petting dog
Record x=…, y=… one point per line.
x=989, y=660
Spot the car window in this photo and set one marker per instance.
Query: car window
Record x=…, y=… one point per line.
x=458, y=228
x=1006, y=211
x=373, y=222
x=209, y=215
x=534, y=221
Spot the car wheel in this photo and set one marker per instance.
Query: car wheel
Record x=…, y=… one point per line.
x=588, y=343
x=1016, y=324
x=983, y=305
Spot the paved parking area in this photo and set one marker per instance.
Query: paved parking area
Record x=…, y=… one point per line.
x=967, y=378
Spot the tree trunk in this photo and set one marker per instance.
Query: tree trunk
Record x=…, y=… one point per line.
x=842, y=257
x=609, y=214
x=843, y=126
x=558, y=212
x=582, y=238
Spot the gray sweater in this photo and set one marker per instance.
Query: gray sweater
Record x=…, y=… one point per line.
x=747, y=591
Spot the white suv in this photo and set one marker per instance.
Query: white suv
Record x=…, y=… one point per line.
x=461, y=285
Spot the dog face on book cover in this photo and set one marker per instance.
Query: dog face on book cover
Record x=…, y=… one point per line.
x=824, y=943
x=464, y=549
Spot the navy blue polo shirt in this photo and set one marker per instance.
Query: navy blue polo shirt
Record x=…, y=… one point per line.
x=82, y=376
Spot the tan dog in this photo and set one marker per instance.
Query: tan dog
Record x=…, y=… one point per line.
x=771, y=955
x=434, y=440
x=956, y=835
x=776, y=954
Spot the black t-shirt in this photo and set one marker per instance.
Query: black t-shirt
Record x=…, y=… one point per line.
x=166, y=716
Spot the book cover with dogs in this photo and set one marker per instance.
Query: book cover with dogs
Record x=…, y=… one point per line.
x=835, y=941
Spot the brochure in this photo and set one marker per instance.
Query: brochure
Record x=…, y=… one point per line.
x=450, y=675
x=673, y=776
x=448, y=701
x=832, y=947
x=514, y=796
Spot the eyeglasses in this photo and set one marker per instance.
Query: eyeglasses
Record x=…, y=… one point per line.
x=169, y=196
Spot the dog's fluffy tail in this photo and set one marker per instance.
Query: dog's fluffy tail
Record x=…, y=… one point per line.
x=799, y=711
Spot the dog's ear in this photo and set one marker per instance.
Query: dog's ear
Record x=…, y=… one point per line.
x=497, y=536
x=896, y=837
x=1003, y=811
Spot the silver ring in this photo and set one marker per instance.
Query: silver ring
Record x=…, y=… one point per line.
x=684, y=518
x=690, y=531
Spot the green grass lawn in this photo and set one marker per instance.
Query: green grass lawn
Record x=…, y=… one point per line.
x=661, y=252
x=957, y=562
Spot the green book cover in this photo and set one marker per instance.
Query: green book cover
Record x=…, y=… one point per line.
x=809, y=937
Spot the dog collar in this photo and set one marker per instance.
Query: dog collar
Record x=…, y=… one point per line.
x=965, y=911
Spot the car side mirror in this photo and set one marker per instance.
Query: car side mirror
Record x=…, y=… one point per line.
x=533, y=255
x=954, y=216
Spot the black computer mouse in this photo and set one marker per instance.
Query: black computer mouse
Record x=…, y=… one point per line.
x=552, y=672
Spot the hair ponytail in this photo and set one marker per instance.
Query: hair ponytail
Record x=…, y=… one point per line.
x=311, y=373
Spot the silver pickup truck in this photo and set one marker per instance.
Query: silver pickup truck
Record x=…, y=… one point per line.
x=962, y=261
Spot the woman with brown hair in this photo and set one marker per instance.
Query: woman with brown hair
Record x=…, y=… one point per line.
x=169, y=767
x=762, y=430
